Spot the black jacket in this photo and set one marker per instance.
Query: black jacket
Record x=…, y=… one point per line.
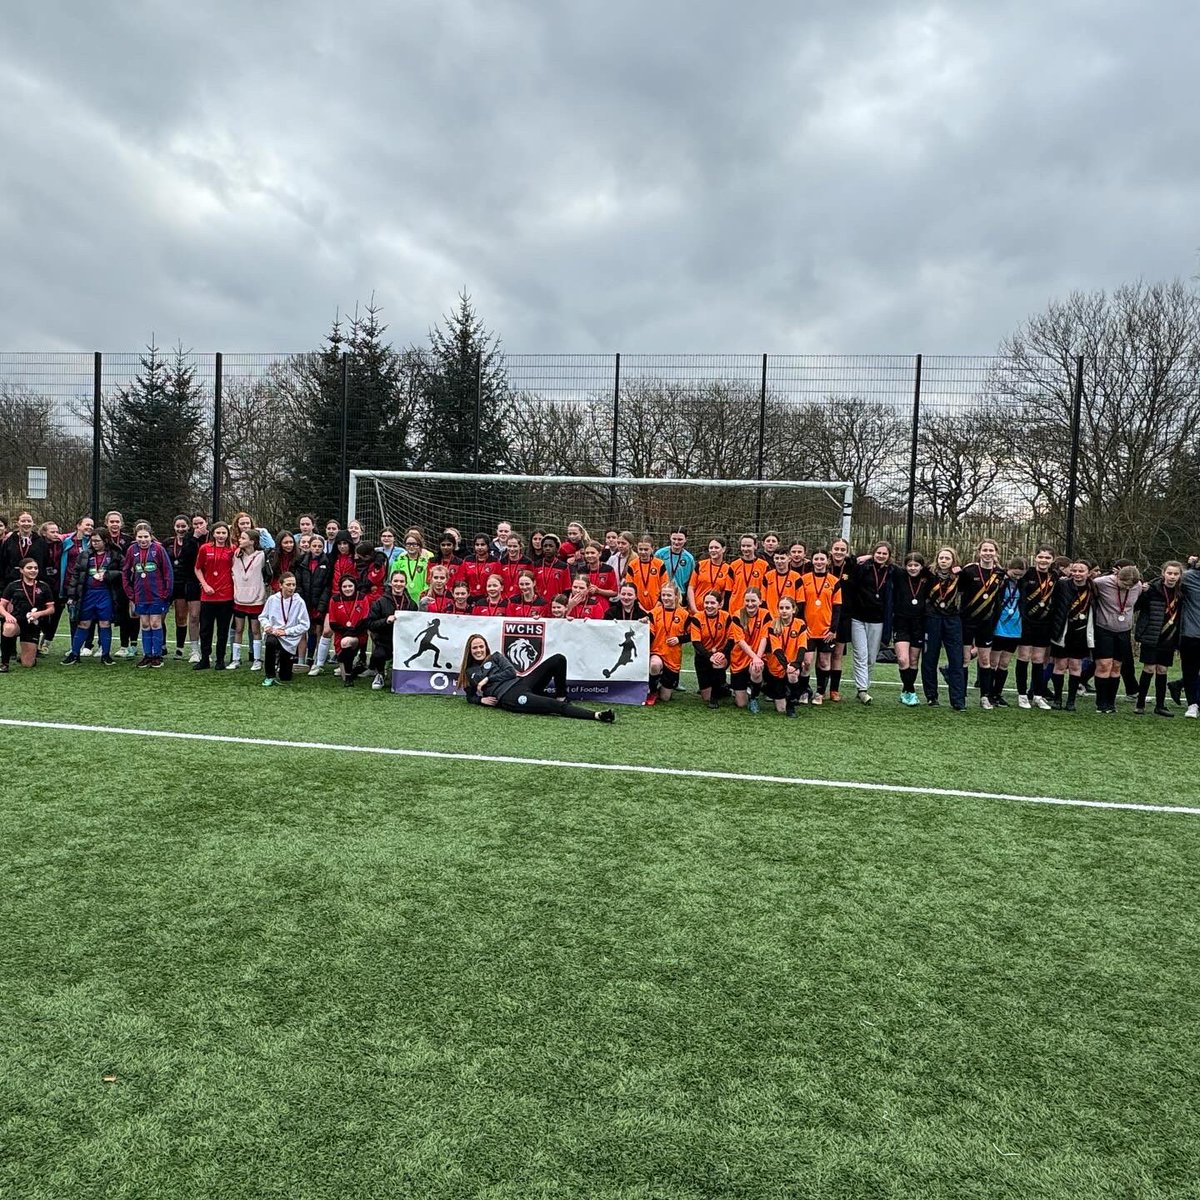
x=77, y=584
x=44, y=553
x=501, y=675
x=312, y=583
x=384, y=607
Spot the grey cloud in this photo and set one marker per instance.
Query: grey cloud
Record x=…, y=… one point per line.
x=699, y=177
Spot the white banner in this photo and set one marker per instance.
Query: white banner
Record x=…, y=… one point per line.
x=606, y=660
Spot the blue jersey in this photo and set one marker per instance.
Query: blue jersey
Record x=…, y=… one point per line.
x=1008, y=622
x=680, y=567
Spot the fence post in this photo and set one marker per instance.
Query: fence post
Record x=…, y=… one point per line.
x=218, y=462
x=97, y=417
x=345, y=466
x=612, y=470
x=478, y=407
x=1073, y=476
x=762, y=443
x=911, y=516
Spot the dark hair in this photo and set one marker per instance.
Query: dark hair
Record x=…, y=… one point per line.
x=342, y=538
x=911, y=556
x=178, y=517
x=1017, y=563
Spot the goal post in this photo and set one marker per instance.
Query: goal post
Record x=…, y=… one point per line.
x=810, y=510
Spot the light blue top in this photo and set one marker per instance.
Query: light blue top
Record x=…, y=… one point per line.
x=680, y=567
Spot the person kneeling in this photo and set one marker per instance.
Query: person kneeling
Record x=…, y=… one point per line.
x=285, y=624
x=489, y=678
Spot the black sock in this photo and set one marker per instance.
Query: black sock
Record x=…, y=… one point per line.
x=999, y=679
x=180, y=636
x=1022, y=677
x=1160, y=691
x=1144, y=688
x=1073, y=683
x=966, y=679
x=803, y=684
x=908, y=677
x=754, y=690
x=1101, y=694
x=983, y=681
x=1058, y=687
x=1039, y=680
x=835, y=681
x=822, y=680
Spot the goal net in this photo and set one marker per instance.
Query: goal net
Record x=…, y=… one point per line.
x=810, y=511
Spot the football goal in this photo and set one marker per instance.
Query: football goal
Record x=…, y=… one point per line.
x=807, y=510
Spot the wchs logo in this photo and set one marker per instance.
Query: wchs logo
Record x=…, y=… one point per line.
x=524, y=642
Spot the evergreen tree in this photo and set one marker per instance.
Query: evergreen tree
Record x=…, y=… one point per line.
x=155, y=441
x=375, y=409
x=465, y=396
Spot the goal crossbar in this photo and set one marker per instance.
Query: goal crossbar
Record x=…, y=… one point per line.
x=829, y=486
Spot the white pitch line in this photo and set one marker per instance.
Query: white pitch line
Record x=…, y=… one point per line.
x=631, y=768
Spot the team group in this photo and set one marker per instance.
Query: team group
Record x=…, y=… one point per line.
x=771, y=620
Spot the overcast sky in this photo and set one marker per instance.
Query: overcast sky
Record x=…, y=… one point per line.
x=866, y=177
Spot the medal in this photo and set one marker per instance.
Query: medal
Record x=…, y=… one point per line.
x=915, y=602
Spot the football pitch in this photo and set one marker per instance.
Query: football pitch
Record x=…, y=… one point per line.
x=287, y=963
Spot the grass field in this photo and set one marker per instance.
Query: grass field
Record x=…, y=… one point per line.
x=232, y=970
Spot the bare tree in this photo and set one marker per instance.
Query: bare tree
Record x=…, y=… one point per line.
x=1141, y=351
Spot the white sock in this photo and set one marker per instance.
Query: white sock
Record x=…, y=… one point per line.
x=257, y=651
x=237, y=652
x=323, y=651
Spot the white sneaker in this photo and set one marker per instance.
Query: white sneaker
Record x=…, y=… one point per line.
x=85, y=653
x=314, y=670
x=1193, y=710
x=256, y=665
x=1023, y=701
x=129, y=652
x=377, y=683
x=195, y=657
x=985, y=704
x=232, y=666
x=1042, y=702
x=864, y=697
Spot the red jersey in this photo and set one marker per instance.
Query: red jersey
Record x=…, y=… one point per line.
x=476, y=574
x=593, y=609
x=486, y=609
x=453, y=570
x=215, y=563
x=509, y=571
x=348, y=618
x=552, y=578
x=516, y=607
x=603, y=577
x=437, y=604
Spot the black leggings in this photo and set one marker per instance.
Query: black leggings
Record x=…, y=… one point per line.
x=216, y=613
x=528, y=694
x=278, y=657
x=1189, y=664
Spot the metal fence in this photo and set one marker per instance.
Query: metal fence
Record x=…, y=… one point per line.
x=1095, y=457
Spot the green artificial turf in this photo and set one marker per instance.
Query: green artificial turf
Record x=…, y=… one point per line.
x=315, y=973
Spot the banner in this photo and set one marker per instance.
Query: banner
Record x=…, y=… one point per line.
x=607, y=661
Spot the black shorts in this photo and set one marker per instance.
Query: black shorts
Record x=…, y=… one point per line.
x=978, y=633
x=1075, y=645
x=1035, y=634
x=843, y=629
x=668, y=679
x=775, y=687
x=740, y=681
x=707, y=675
x=1111, y=644
x=910, y=632
x=27, y=632
x=1157, y=656
x=1005, y=644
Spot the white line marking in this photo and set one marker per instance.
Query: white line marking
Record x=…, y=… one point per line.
x=632, y=768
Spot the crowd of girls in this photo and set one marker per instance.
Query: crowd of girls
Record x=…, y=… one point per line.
x=766, y=620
